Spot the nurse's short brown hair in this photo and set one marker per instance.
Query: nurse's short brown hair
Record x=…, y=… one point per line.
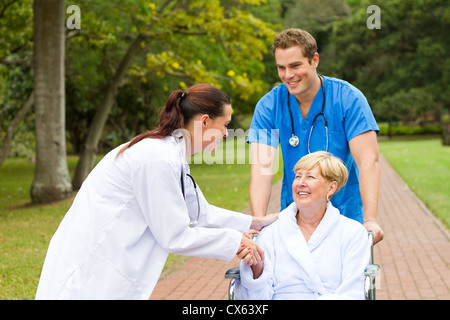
x=331, y=167
x=296, y=37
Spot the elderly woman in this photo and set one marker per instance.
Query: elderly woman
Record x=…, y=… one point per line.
x=312, y=251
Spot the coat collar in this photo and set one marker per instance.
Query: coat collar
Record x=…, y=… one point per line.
x=179, y=137
x=295, y=243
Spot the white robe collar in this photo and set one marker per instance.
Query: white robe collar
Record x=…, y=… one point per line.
x=288, y=221
x=296, y=245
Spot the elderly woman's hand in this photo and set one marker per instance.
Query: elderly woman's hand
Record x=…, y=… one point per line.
x=249, y=251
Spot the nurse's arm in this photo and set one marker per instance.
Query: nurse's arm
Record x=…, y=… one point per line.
x=364, y=149
x=261, y=176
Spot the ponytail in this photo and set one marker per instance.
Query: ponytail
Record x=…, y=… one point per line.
x=171, y=116
x=181, y=107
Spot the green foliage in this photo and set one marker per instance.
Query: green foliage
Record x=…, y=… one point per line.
x=403, y=67
x=406, y=130
x=184, y=42
x=15, y=57
x=207, y=42
x=16, y=43
x=15, y=90
x=317, y=17
x=13, y=93
x=409, y=106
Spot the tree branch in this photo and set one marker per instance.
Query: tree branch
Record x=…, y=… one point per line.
x=7, y=141
x=26, y=62
x=2, y=12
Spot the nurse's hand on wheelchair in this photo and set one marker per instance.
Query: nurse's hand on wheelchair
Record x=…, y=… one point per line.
x=373, y=226
x=249, y=251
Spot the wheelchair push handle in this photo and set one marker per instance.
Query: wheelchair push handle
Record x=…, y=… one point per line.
x=371, y=244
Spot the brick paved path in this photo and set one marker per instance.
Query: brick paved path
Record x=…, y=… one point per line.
x=414, y=255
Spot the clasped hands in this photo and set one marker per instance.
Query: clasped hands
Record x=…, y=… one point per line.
x=249, y=251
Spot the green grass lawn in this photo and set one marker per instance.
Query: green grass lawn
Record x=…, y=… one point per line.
x=424, y=164
x=26, y=230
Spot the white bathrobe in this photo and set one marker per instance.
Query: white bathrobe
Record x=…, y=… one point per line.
x=330, y=266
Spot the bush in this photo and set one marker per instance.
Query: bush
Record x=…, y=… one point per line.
x=402, y=129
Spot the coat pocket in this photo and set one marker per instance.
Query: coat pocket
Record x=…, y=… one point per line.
x=97, y=279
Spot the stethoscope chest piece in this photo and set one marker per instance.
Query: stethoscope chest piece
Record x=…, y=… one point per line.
x=293, y=141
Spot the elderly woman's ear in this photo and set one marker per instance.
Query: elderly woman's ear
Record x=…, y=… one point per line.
x=332, y=189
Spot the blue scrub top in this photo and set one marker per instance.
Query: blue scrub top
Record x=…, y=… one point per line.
x=348, y=115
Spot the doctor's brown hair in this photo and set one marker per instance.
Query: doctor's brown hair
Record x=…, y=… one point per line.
x=182, y=107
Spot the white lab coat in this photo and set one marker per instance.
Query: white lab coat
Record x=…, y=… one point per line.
x=330, y=266
x=127, y=217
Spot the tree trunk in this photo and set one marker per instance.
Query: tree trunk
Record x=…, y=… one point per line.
x=87, y=155
x=51, y=176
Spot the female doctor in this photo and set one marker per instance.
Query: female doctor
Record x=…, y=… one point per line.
x=139, y=204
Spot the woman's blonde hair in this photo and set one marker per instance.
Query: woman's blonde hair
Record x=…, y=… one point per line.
x=331, y=167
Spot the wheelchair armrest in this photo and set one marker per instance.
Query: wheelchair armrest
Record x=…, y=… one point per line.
x=371, y=273
x=233, y=273
x=372, y=270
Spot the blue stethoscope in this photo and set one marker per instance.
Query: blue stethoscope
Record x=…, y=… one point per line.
x=293, y=141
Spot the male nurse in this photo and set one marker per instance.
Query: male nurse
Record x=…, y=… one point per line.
x=310, y=112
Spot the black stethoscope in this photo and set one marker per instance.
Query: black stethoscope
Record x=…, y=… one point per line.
x=293, y=141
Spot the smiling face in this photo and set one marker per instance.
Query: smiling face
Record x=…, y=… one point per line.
x=296, y=71
x=206, y=133
x=215, y=129
x=310, y=190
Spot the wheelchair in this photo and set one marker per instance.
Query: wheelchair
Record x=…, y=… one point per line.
x=370, y=274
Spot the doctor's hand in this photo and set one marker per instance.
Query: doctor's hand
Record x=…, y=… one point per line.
x=249, y=251
x=260, y=222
